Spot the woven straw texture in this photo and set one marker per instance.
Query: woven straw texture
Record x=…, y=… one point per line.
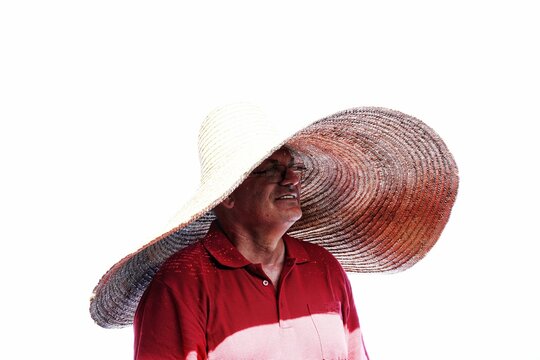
x=379, y=190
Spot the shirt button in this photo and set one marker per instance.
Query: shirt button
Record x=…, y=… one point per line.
x=265, y=282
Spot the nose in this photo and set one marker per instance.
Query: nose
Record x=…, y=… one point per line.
x=290, y=177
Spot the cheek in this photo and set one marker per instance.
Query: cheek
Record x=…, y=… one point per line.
x=261, y=204
x=250, y=202
x=253, y=198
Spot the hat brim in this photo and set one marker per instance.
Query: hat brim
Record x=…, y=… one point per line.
x=379, y=190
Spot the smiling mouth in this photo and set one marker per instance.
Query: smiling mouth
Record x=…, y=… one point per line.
x=287, y=197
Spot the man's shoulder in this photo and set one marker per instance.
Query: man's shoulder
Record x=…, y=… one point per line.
x=314, y=251
x=319, y=260
x=191, y=257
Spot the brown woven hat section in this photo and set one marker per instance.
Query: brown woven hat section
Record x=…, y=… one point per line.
x=119, y=291
x=379, y=190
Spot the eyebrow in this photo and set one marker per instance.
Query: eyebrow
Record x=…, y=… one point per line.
x=274, y=161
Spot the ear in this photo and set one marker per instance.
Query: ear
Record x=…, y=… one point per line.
x=228, y=202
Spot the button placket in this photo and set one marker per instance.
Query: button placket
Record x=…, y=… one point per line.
x=282, y=307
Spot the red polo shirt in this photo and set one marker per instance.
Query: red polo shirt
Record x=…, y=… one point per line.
x=208, y=301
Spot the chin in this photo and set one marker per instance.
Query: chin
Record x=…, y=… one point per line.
x=295, y=215
x=288, y=215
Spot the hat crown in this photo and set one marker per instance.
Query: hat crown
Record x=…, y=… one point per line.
x=232, y=139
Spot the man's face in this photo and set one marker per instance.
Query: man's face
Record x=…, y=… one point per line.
x=263, y=199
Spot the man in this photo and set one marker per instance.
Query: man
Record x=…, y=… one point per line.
x=247, y=269
x=255, y=293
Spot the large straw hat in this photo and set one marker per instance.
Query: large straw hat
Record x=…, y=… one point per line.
x=378, y=192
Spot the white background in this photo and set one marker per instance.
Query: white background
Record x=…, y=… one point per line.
x=100, y=103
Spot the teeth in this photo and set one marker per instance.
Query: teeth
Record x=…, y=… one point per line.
x=287, y=197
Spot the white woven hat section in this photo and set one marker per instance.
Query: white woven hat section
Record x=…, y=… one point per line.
x=233, y=140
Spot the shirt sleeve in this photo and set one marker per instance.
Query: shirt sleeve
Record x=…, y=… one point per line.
x=168, y=325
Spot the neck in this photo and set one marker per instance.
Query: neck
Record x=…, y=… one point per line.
x=257, y=246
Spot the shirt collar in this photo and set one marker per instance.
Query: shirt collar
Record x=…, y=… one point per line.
x=295, y=250
x=222, y=249
x=225, y=253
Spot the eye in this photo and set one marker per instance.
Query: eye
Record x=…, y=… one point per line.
x=298, y=167
x=274, y=170
x=268, y=172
